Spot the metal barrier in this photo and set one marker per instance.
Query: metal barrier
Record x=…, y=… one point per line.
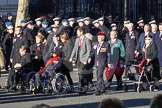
x=96, y=8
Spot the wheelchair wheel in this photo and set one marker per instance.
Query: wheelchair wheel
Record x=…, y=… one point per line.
x=47, y=87
x=139, y=89
x=152, y=87
x=59, y=83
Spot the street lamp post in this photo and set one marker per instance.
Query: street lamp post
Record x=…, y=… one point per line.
x=125, y=9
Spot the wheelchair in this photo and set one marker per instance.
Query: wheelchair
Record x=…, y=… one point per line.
x=19, y=79
x=57, y=84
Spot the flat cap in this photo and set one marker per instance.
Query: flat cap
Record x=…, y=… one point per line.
x=56, y=19
x=95, y=21
x=113, y=25
x=71, y=19
x=152, y=22
x=38, y=19
x=87, y=18
x=80, y=20
x=140, y=21
x=101, y=19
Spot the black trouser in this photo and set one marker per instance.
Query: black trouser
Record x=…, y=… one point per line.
x=38, y=76
x=7, y=61
x=82, y=80
x=66, y=72
x=82, y=72
x=118, y=78
x=161, y=71
x=13, y=78
x=100, y=82
x=99, y=72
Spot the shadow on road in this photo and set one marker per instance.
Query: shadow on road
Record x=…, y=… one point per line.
x=84, y=105
x=128, y=104
x=136, y=102
x=14, y=98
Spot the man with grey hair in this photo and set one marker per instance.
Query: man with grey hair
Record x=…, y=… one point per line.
x=141, y=39
x=131, y=43
x=154, y=28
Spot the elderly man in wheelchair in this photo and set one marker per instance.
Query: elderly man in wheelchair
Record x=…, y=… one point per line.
x=44, y=77
x=21, y=63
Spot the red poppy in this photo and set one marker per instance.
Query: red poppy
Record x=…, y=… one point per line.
x=102, y=46
x=38, y=48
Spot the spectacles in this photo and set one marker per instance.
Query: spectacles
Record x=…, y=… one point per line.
x=147, y=39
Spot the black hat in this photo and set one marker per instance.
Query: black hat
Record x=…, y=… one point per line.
x=55, y=51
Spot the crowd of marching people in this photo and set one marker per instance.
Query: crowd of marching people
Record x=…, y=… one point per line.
x=100, y=43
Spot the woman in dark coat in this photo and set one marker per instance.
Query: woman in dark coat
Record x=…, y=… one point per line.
x=37, y=53
x=66, y=53
x=149, y=52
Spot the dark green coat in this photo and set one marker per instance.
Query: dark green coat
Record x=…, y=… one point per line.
x=117, y=51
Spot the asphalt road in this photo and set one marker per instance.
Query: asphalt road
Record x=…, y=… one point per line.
x=131, y=99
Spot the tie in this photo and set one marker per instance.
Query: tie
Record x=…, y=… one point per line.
x=98, y=47
x=80, y=42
